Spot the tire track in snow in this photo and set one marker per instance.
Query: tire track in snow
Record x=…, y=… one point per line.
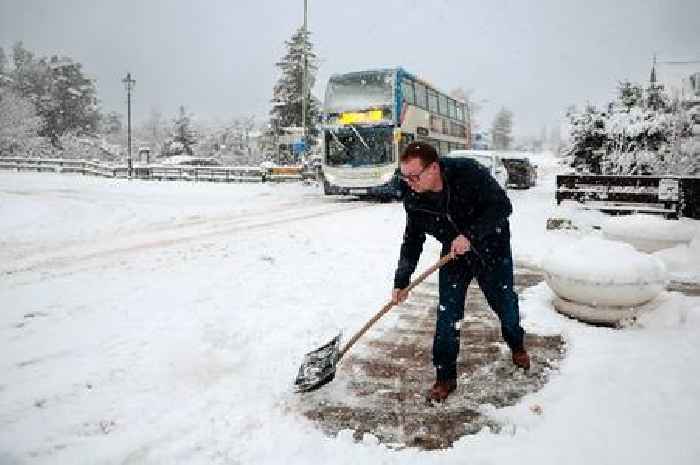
x=181, y=233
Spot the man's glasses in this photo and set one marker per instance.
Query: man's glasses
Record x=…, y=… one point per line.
x=414, y=178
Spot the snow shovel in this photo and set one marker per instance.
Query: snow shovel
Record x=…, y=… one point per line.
x=318, y=366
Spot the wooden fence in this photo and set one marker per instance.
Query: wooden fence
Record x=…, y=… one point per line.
x=160, y=172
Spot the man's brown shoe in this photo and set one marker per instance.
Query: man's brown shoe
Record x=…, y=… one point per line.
x=441, y=389
x=521, y=359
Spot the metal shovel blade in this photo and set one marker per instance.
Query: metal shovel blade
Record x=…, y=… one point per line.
x=318, y=366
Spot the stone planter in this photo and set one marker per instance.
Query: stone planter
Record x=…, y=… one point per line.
x=601, y=281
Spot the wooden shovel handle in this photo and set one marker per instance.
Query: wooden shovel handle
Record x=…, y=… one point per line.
x=390, y=304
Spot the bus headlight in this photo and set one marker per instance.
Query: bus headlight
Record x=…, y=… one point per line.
x=387, y=177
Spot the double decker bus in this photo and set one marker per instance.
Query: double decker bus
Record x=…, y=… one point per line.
x=368, y=119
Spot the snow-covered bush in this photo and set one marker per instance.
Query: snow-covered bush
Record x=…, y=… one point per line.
x=19, y=125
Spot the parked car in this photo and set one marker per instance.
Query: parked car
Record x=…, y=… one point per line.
x=491, y=160
x=521, y=173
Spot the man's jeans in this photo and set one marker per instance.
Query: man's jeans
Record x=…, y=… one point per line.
x=497, y=285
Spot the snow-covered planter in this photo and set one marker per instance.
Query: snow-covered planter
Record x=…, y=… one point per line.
x=649, y=233
x=602, y=281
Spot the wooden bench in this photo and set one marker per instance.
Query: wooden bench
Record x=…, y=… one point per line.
x=670, y=196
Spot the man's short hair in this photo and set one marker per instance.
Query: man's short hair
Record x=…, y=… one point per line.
x=422, y=150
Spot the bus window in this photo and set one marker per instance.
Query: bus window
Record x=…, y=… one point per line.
x=432, y=101
x=443, y=105
x=405, y=140
x=460, y=112
x=444, y=148
x=420, y=95
x=435, y=124
x=434, y=143
x=456, y=130
x=453, y=108
x=408, y=93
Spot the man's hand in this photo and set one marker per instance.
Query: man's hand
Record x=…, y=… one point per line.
x=460, y=246
x=398, y=296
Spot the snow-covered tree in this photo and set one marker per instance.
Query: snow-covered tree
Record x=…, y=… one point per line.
x=63, y=96
x=287, y=93
x=587, y=137
x=630, y=95
x=72, y=102
x=5, y=78
x=19, y=125
x=183, y=136
x=502, y=129
x=642, y=133
x=111, y=123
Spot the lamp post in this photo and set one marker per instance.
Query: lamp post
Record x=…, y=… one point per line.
x=303, y=83
x=128, y=84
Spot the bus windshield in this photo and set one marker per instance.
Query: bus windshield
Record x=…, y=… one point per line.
x=355, y=146
x=359, y=91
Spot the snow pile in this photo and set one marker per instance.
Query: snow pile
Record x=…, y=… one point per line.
x=683, y=260
x=600, y=272
x=650, y=233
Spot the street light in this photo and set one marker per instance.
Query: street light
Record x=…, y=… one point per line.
x=303, y=82
x=128, y=84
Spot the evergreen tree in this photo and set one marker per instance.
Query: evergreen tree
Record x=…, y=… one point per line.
x=287, y=93
x=183, y=136
x=630, y=95
x=587, y=137
x=640, y=134
x=64, y=97
x=655, y=98
x=72, y=103
x=501, y=131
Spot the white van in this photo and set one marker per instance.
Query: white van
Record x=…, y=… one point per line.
x=491, y=160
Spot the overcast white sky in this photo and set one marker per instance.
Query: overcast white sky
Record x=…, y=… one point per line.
x=217, y=57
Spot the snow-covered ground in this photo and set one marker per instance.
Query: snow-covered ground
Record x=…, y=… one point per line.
x=147, y=322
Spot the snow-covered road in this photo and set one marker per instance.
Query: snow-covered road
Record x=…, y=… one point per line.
x=164, y=322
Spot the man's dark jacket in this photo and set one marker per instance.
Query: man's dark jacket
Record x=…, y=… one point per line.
x=474, y=205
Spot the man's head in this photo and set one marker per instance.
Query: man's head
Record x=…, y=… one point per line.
x=420, y=168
